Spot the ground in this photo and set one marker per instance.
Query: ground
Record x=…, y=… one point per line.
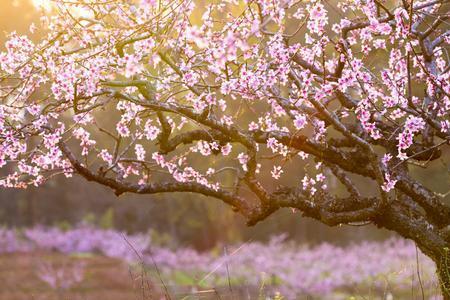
x=104, y=278
x=21, y=278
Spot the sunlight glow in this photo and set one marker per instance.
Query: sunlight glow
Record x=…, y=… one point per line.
x=43, y=4
x=49, y=5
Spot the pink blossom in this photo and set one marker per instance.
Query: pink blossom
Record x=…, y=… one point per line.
x=243, y=159
x=276, y=172
x=389, y=183
x=151, y=131
x=300, y=121
x=140, y=152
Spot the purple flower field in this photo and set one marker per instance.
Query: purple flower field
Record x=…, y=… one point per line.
x=325, y=271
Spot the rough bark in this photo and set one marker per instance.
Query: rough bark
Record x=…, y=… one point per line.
x=443, y=272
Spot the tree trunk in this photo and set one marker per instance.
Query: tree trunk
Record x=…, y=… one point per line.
x=430, y=241
x=443, y=270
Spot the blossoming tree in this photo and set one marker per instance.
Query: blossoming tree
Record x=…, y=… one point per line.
x=130, y=93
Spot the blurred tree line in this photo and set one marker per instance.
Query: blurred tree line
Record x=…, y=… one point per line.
x=174, y=218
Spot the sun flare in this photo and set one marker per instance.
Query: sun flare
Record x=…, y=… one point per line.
x=51, y=5
x=43, y=4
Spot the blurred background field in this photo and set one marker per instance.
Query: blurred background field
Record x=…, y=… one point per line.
x=85, y=262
